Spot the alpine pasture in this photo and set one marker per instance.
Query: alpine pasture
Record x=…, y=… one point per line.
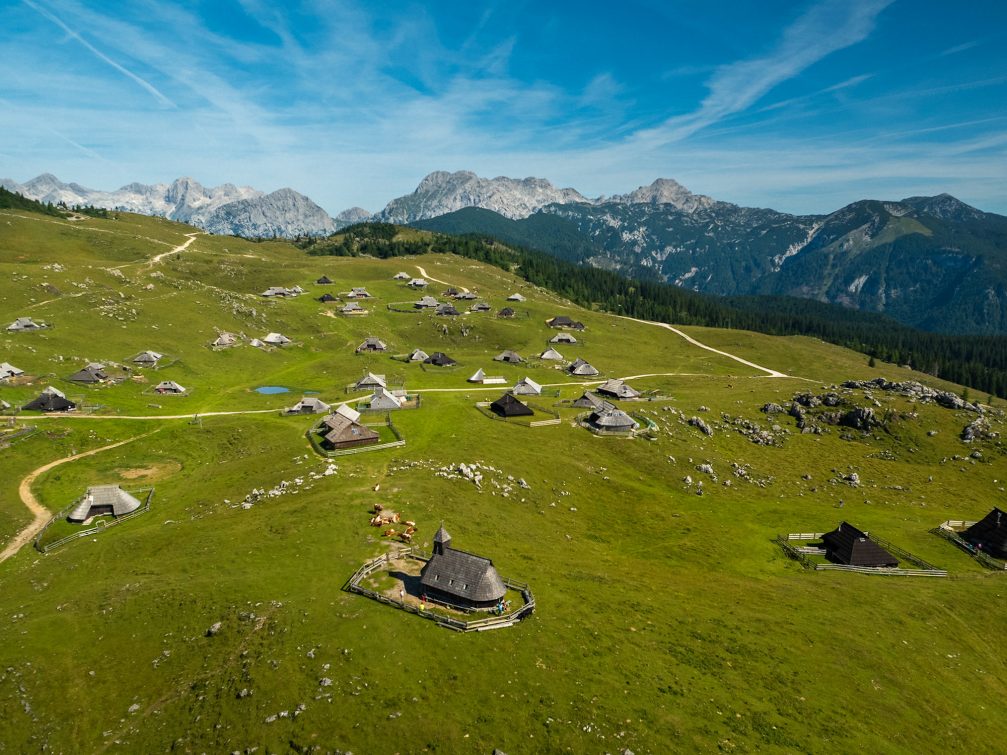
x=667, y=619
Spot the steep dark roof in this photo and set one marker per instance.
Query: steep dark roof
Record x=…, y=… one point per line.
x=508, y=406
x=463, y=575
x=324, y=280
x=989, y=533
x=90, y=374
x=440, y=359
x=327, y=297
x=848, y=545
x=49, y=402
x=505, y=312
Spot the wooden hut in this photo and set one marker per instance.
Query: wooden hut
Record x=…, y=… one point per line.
x=582, y=368
x=440, y=359
x=50, y=400
x=611, y=419
x=372, y=343
x=92, y=374
x=102, y=500
x=342, y=432
x=326, y=298
x=324, y=281
x=460, y=578
x=511, y=357
x=848, y=545
x=509, y=406
x=617, y=389
x=989, y=534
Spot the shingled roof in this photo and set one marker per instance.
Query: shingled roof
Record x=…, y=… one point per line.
x=508, y=406
x=8, y=370
x=440, y=359
x=581, y=367
x=345, y=432
x=989, y=534
x=103, y=499
x=612, y=419
x=92, y=373
x=618, y=389
x=508, y=356
x=466, y=577
x=53, y=401
x=848, y=545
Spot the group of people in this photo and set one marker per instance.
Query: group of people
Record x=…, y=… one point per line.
x=502, y=607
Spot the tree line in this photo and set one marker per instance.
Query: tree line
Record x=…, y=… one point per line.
x=976, y=361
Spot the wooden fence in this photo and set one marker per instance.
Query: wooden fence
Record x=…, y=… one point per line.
x=948, y=531
x=803, y=555
x=313, y=439
x=99, y=527
x=12, y=438
x=457, y=625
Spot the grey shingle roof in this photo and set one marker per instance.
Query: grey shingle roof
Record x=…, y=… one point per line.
x=104, y=499
x=463, y=575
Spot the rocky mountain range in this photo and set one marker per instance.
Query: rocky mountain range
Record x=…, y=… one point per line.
x=225, y=209
x=931, y=262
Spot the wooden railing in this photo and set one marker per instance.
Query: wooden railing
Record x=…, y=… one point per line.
x=803, y=554
x=457, y=625
x=101, y=526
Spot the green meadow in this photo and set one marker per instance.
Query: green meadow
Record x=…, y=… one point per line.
x=667, y=619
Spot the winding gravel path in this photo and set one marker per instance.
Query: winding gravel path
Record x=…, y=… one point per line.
x=41, y=513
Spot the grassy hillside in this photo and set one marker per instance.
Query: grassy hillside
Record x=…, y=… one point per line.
x=667, y=620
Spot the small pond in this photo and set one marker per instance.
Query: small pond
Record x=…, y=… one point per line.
x=270, y=390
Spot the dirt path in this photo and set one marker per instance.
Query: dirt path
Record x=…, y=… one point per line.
x=188, y=415
x=180, y=248
x=769, y=372
x=437, y=280
x=40, y=512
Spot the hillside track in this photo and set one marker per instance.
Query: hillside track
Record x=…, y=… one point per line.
x=438, y=280
x=40, y=513
x=769, y=372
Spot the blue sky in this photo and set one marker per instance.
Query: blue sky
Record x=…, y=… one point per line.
x=800, y=106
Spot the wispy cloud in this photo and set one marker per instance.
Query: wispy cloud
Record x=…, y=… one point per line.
x=100, y=55
x=824, y=29
x=960, y=48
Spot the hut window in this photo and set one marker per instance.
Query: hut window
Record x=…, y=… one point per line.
x=451, y=582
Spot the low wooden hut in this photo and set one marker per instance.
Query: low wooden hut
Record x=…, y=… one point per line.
x=582, y=368
x=372, y=343
x=324, y=281
x=511, y=357
x=327, y=297
x=50, y=400
x=309, y=405
x=848, y=545
x=8, y=371
x=440, y=359
x=506, y=313
x=418, y=355
x=103, y=500
x=91, y=374
x=989, y=534
x=617, y=389
x=342, y=432
x=612, y=419
x=509, y=406
x=169, y=386
x=370, y=381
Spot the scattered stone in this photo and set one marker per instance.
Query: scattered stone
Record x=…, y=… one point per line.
x=214, y=628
